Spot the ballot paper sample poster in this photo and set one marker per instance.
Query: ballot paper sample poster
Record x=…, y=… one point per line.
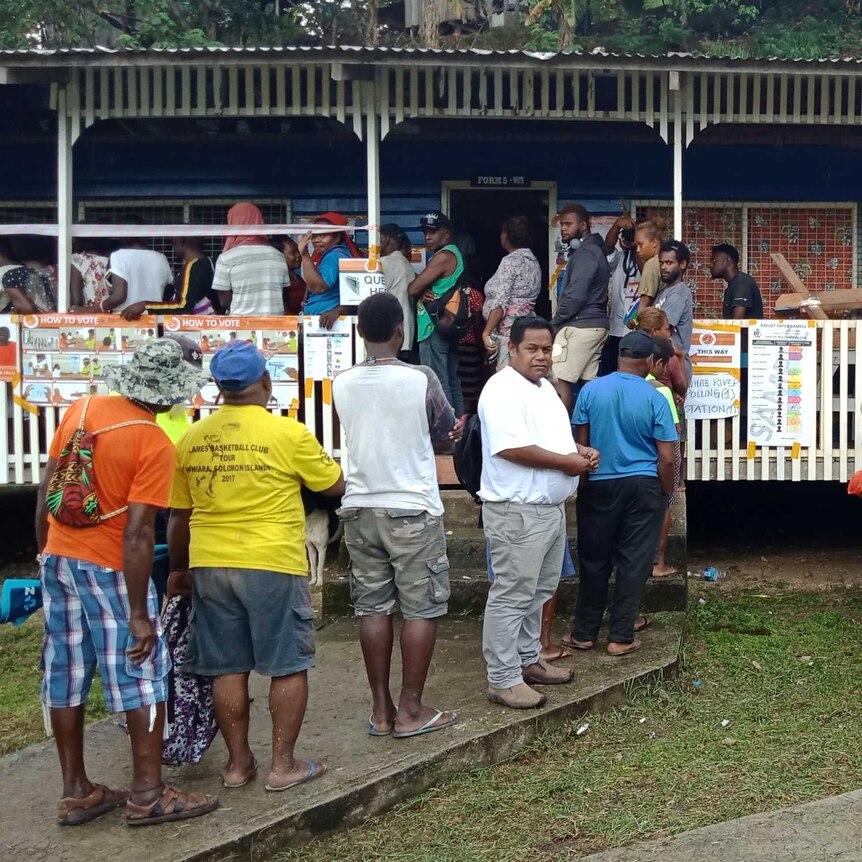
x=782, y=382
x=326, y=351
x=716, y=364
x=358, y=279
x=8, y=348
x=63, y=355
x=276, y=337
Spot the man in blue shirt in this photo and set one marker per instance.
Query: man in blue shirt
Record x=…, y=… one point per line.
x=621, y=505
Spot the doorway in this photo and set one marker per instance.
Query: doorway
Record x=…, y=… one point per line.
x=478, y=213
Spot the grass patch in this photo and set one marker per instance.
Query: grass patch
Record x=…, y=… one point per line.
x=20, y=713
x=782, y=670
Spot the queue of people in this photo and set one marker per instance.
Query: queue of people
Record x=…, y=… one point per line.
x=554, y=419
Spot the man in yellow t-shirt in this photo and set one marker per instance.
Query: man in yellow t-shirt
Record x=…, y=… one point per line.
x=238, y=525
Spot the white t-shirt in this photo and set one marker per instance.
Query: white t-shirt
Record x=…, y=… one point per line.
x=390, y=412
x=625, y=289
x=516, y=413
x=147, y=273
x=257, y=275
x=397, y=274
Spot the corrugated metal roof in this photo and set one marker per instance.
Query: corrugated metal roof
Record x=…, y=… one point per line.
x=469, y=56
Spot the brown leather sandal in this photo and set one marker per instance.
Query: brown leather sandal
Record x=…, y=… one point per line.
x=73, y=811
x=173, y=804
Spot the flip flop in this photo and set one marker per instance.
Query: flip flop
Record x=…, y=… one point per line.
x=315, y=770
x=373, y=731
x=632, y=647
x=428, y=727
x=565, y=652
x=250, y=777
x=647, y=622
x=570, y=644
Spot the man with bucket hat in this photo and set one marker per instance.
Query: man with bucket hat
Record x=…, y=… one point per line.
x=100, y=604
x=238, y=525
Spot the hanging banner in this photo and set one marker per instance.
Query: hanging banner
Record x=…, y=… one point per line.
x=782, y=382
x=8, y=348
x=62, y=355
x=326, y=351
x=358, y=279
x=716, y=368
x=276, y=337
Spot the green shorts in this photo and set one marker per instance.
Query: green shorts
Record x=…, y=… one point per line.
x=398, y=561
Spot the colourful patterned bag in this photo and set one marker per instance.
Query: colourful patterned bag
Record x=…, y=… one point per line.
x=72, y=496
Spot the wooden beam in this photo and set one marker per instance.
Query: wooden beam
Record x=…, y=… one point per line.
x=352, y=72
x=798, y=287
x=830, y=300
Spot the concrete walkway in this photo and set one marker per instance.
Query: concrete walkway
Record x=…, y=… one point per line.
x=829, y=830
x=366, y=775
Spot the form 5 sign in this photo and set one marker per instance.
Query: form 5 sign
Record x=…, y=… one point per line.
x=358, y=278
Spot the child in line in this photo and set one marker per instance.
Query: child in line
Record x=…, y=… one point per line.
x=658, y=363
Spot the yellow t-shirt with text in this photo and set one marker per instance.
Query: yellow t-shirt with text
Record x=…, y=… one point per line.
x=240, y=471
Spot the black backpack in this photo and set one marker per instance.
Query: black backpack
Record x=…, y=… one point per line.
x=467, y=456
x=451, y=312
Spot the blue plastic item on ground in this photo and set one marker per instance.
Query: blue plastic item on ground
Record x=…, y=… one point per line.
x=21, y=597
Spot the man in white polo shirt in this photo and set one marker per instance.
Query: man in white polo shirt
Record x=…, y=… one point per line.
x=530, y=465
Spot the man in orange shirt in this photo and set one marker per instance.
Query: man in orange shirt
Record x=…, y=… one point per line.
x=100, y=604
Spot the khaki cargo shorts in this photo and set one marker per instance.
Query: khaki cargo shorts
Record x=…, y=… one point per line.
x=577, y=352
x=398, y=560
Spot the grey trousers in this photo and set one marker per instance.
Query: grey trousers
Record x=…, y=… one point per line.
x=526, y=543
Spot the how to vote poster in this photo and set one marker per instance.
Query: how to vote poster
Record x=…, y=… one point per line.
x=276, y=337
x=716, y=363
x=62, y=355
x=782, y=382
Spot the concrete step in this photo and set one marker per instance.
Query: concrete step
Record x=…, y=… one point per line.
x=366, y=775
x=465, y=543
x=470, y=591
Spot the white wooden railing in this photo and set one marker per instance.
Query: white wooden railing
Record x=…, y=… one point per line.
x=717, y=450
x=26, y=434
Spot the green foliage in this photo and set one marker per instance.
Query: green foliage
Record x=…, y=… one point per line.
x=783, y=28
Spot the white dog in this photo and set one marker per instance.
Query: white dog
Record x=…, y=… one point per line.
x=319, y=534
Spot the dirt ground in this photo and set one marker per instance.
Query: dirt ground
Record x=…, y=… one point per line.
x=793, y=568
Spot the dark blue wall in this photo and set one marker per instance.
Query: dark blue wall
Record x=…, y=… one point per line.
x=327, y=175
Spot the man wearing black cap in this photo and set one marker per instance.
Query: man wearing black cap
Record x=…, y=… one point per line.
x=621, y=505
x=398, y=273
x=442, y=273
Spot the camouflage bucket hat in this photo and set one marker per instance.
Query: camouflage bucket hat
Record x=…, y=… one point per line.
x=156, y=374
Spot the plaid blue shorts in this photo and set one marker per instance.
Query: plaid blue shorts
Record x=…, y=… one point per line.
x=87, y=622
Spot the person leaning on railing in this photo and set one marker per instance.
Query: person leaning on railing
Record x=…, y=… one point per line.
x=21, y=288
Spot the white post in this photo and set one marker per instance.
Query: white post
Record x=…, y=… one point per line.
x=64, y=200
x=677, y=164
x=372, y=151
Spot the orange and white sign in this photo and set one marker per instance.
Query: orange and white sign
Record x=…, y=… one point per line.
x=716, y=361
x=358, y=278
x=276, y=337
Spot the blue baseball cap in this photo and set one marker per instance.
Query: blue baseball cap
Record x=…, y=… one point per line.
x=237, y=365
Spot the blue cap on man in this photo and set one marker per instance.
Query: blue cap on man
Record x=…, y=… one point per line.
x=237, y=365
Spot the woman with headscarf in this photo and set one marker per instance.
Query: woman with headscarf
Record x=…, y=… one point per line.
x=320, y=268
x=250, y=274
